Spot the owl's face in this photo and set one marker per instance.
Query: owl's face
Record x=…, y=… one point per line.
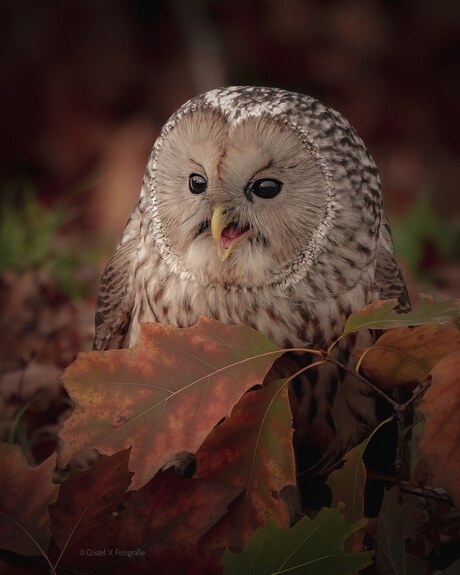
x=237, y=201
x=250, y=186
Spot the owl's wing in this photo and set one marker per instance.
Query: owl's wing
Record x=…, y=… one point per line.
x=388, y=277
x=116, y=297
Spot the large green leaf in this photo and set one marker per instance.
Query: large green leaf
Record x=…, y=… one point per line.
x=311, y=547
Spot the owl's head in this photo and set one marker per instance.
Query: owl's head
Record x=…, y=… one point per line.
x=250, y=186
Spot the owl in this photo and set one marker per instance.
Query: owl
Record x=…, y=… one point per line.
x=261, y=207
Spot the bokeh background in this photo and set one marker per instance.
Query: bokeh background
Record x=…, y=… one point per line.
x=87, y=84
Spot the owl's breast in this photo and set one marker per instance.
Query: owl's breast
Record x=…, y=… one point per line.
x=294, y=317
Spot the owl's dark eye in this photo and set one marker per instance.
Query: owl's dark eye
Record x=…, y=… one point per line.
x=266, y=188
x=197, y=184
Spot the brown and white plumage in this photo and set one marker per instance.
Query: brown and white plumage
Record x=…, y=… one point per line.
x=292, y=266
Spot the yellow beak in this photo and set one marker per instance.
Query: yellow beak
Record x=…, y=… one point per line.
x=219, y=221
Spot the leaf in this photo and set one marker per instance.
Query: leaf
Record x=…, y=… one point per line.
x=406, y=355
x=88, y=498
x=156, y=530
x=381, y=315
x=440, y=441
x=395, y=524
x=25, y=494
x=347, y=483
x=311, y=547
x=165, y=394
x=252, y=449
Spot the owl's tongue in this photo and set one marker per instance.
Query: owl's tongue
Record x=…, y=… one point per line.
x=231, y=233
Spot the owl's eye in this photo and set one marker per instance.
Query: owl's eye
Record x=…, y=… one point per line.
x=266, y=188
x=197, y=184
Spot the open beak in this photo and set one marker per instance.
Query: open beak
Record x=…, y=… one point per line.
x=226, y=233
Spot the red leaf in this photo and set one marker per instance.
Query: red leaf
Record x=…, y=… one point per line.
x=440, y=442
x=165, y=394
x=252, y=450
x=25, y=494
x=157, y=529
x=87, y=500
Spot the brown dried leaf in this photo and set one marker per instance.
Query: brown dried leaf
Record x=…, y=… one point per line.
x=157, y=529
x=165, y=394
x=406, y=355
x=87, y=499
x=25, y=494
x=440, y=441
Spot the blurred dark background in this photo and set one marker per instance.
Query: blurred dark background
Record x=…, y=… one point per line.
x=87, y=84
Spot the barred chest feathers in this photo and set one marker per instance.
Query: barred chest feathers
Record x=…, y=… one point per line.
x=299, y=315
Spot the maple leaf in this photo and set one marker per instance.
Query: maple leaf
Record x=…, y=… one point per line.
x=252, y=449
x=87, y=500
x=406, y=355
x=310, y=547
x=156, y=529
x=440, y=440
x=381, y=315
x=165, y=394
x=25, y=493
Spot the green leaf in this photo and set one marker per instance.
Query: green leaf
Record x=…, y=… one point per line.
x=347, y=483
x=381, y=315
x=311, y=547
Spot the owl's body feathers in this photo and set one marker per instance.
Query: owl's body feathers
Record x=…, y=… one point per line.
x=288, y=192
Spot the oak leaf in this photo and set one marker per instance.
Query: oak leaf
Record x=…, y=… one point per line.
x=252, y=449
x=165, y=394
x=87, y=500
x=156, y=529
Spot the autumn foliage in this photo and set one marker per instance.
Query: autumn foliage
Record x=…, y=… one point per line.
x=195, y=460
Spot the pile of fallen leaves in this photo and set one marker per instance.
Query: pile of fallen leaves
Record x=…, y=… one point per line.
x=198, y=391
x=41, y=331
